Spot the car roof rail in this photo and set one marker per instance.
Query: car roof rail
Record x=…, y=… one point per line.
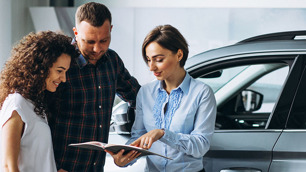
x=289, y=35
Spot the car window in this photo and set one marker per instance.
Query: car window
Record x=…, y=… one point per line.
x=227, y=75
x=262, y=80
x=270, y=86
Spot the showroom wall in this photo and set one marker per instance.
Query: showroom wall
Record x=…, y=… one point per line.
x=16, y=22
x=206, y=24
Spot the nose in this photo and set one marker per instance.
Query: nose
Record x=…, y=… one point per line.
x=152, y=66
x=97, y=48
x=63, y=77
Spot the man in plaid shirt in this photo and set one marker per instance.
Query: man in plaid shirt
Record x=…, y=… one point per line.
x=89, y=92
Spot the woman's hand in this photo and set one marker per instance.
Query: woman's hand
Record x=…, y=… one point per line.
x=121, y=160
x=146, y=140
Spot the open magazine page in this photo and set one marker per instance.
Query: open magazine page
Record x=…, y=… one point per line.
x=90, y=145
x=94, y=145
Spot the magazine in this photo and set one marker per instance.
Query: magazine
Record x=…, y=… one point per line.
x=115, y=148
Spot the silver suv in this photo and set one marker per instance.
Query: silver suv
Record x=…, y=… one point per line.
x=260, y=88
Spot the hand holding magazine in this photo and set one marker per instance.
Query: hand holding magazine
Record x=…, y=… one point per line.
x=95, y=145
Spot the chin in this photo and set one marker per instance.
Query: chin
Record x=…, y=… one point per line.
x=51, y=90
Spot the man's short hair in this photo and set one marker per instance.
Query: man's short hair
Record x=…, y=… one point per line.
x=93, y=13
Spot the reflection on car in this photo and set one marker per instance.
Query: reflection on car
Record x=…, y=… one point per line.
x=260, y=89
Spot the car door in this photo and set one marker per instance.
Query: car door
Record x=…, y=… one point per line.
x=289, y=153
x=234, y=146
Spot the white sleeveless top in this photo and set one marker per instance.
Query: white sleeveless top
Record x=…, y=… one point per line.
x=36, y=150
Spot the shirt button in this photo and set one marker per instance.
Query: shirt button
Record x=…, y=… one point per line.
x=94, y=163
x=100, y=126
x=99, y=87
x=100, y=107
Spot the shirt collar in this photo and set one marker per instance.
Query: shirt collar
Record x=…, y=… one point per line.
x=184, y=86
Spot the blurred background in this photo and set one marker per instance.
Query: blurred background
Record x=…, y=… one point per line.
x=206, y=24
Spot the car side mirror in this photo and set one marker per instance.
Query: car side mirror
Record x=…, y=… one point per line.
x=122, y=118
x=249, y=101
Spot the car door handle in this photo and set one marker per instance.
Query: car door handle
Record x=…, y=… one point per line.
x=240, y=169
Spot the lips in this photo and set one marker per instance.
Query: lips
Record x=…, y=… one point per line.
x=56, y=83
x=157, y=73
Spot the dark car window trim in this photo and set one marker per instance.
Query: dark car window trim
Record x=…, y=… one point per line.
x=281, y=111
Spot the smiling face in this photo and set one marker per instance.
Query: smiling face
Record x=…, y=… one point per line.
x=57, y=73
x=92, y=41
x=162, y=62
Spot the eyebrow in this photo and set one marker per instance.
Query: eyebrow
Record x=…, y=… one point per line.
x=86, y=40
x=157, y=55
x=62, y=67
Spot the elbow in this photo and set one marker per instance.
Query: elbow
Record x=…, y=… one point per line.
x=203, y=152
x=7, y=168
x=202, y=149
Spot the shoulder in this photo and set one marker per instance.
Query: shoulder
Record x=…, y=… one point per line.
x=15, y=99
x=19, y=102
x=16, y=102
x=112, y=55
x=149, y=89
x=111, y=52
x=197, y=83
x=151, y=86
x=200, y=87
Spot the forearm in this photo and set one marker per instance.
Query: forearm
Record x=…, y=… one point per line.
x=195, y=145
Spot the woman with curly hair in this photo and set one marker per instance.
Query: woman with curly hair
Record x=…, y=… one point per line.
x=38, y=64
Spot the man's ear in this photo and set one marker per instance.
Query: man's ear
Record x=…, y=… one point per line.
x=111, y=28
x=75, y=31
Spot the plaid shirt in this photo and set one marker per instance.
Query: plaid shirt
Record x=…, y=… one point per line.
x=86, y=108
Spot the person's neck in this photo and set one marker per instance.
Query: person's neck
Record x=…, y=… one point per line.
x=175, y=81
x=94, y=62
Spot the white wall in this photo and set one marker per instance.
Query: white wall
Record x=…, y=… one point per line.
x=5, y=30
x=15, y=22
x=200, y=3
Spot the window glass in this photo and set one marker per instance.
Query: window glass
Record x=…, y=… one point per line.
x=270, y=86
x=261, y=82
x=227, y=75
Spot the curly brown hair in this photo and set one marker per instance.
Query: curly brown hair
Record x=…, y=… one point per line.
x=28, y=67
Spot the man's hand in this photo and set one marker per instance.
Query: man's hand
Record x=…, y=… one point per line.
x=121, y=160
